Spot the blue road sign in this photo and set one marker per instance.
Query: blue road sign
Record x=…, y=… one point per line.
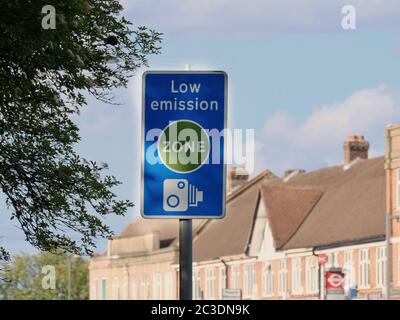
x=183, y=144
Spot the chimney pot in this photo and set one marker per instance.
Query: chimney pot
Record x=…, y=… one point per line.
x=237, y=176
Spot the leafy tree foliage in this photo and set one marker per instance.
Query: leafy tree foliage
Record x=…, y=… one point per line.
x=28, y=277
x=45, y=77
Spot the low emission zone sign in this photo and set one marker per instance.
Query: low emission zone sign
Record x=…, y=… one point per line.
x=183, y=153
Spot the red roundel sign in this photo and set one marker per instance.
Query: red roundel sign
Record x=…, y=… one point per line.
x=334, y=280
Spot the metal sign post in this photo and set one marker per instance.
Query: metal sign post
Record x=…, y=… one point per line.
x=185, y=255
x=185, y=259
x=183, y=153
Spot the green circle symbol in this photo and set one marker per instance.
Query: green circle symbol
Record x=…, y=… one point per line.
x=183, y=146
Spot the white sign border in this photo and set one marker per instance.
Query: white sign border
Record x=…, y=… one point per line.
x=158, y=216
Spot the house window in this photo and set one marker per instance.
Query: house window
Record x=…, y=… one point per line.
x=196, y=285
x=333, y=260
x=349, y=270
x=104, y=288
x=134, y=293
x=312, y=274
x=380, y=266
x=125, y=288
x=364, y=269
x=296, y=276
x=249, y=279
x=235, y=277
x=144, y=294
x=157, y=286
x=94, y=290
x=268, y=279
x=398, y=189
x=222, y=279
x=115, y=289
x=210, y=283
x=282, y=277
x=169, y=292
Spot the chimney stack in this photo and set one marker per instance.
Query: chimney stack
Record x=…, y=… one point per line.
x=355, y=147
x=290, y=173
x=237, y=176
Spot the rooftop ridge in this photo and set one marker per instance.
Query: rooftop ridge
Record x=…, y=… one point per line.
x=250, y=183
x=357, y=193
x=340, y=165
x=292, y=187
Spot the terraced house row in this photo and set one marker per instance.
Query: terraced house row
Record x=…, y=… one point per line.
x=275, y=227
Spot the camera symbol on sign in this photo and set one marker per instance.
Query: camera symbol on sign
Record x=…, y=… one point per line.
x=179, y=195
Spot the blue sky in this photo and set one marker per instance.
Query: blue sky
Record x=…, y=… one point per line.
x=295, y=76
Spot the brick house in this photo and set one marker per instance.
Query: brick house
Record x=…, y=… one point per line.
x=392, y=168
x=141, y=263
x=267, y=245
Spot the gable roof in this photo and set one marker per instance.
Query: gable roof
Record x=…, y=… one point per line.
x=351, y=209
x=287, y=207
x=231, y=235
x=325, y=207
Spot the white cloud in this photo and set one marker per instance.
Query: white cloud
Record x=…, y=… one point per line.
x=363, y=110
x=258, y=16
x=318, y=139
